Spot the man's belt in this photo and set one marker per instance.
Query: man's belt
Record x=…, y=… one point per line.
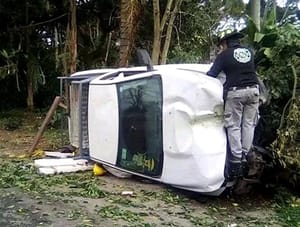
x=241, y=88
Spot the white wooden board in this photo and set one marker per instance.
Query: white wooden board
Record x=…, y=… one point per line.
x=50, y=162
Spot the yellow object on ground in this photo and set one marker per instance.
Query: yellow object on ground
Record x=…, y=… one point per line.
x=98, y=170
x=38, y=153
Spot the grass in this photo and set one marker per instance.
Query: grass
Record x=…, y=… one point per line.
x=287, y=208
x=289, y=215
x=115, y=212
x=20, y=174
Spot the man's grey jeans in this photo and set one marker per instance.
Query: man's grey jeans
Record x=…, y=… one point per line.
x=241, y=117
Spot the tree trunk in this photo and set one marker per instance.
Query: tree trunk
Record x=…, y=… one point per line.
x=169, y=32
x=65, y=60
x=130, y=15
x=73, y=37
x=29, y=75
x=156, y=32
x=30, y=104
x=108, y=42
x=255, y=12
x=124, y=33
x=163, y=28
x=56, y=46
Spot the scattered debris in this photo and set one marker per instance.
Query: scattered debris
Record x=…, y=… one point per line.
x=56, y=154
x=62, y=169
x=127, y=193
x=61, y=165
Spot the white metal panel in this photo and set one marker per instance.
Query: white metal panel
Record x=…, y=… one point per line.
x=193, y=132
x=74, y=115
x=103, y=123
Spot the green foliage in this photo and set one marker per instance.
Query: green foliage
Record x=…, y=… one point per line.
x=206, y=221
x=91, y=190
x=16, y=175
x=180, y=55
x=170, y=197
x=289, y=215
x=59, y=119
x=194, y=32
x=11, y=123
x=34, y=69
x=234, y=7
x=276, y=51
x=287, y=144
x=277, y=55
x=115, y=212
x=288, y=208
x=277, y=70
x=24, y=176
x=10, y=68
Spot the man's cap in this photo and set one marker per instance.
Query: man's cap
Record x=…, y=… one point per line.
x=229, y=34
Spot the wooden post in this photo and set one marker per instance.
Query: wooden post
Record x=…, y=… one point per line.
x=49, y=115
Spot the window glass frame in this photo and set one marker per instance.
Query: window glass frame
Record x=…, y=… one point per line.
x=140, y=145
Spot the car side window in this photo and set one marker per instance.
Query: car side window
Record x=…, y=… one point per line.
x=140, y=126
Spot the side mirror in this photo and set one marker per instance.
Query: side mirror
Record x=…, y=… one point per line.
x=143, y=58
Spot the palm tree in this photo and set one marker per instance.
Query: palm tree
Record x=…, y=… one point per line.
x=130, y=15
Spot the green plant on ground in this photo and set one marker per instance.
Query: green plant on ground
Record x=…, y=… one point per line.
x=56, y=138
x=115, y=212
x=11, y=123
x=169, y=196
x=287, y=208
x=23, y=175
x=92, y=190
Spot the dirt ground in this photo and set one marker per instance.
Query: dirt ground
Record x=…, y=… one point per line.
x=81, y=199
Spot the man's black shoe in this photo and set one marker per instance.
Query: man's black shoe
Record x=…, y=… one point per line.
x=234, y=170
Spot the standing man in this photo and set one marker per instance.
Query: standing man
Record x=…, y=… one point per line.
x=241, y=97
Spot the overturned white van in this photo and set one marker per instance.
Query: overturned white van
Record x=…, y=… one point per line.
x=164, y=124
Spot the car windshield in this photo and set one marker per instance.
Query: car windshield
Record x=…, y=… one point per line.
x=140, y=130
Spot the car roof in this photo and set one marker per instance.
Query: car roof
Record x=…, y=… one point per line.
x=203, y=68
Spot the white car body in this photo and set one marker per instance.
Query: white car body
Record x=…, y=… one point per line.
x=165, y=125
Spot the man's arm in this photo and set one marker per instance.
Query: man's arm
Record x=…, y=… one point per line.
x=216, y=68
